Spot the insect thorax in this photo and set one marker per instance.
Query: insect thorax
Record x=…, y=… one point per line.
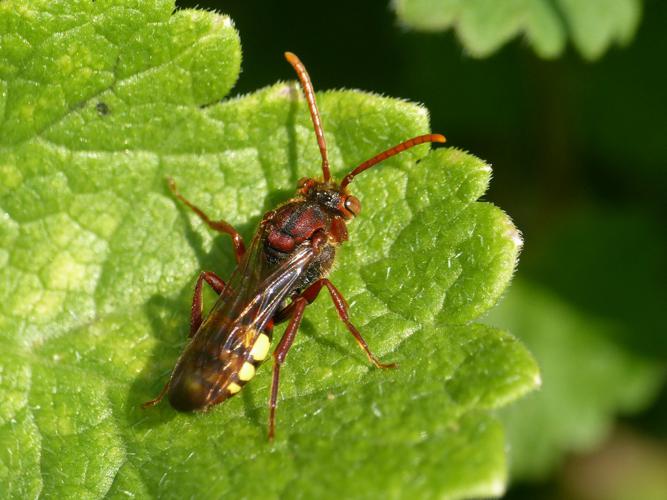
x=294, y=224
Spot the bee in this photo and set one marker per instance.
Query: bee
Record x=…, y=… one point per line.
x=276, y=278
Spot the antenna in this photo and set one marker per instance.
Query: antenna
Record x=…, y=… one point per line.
x=307, y=86
x=389, y=153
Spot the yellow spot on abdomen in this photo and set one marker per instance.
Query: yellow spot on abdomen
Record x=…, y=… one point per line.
x=247, y=371
x=261, y=348
x=233, y=388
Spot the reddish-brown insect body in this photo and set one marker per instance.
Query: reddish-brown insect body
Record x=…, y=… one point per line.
x=281, y=272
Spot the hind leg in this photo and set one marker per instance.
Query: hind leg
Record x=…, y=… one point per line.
x=197, y=306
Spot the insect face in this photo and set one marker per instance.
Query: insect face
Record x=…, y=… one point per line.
x=331, y=197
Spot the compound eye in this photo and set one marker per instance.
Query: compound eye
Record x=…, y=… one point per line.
x=353, y=205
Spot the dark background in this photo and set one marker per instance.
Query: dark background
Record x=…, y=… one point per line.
x=577, y=147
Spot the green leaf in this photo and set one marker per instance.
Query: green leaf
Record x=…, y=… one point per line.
x=483, y=26
x=101, y=101
x=588, y=379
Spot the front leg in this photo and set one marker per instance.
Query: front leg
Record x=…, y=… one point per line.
x=311, y=293
x=220, y=225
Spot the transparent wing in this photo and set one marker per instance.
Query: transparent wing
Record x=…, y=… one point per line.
x=254, y=293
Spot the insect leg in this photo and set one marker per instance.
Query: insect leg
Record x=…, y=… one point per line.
x=310, y=294
x=341, y=307
x=219, y=225
x=159, y=397
x=197, y=306
x=279, y=356
x=196, y=318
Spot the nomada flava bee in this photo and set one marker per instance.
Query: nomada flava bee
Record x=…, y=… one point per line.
x=277, y=276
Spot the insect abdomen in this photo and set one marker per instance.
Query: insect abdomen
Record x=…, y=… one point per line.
x=256, y=355
x=202, y=379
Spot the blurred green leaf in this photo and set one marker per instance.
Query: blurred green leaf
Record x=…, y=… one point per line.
x=101, y=101
x=483, y=26
x=587, y=380
x=610, y=262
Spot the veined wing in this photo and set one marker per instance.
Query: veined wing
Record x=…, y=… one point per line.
x=254, y=293
x=209, y=369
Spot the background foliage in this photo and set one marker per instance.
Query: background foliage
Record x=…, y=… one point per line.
x=483, y=26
